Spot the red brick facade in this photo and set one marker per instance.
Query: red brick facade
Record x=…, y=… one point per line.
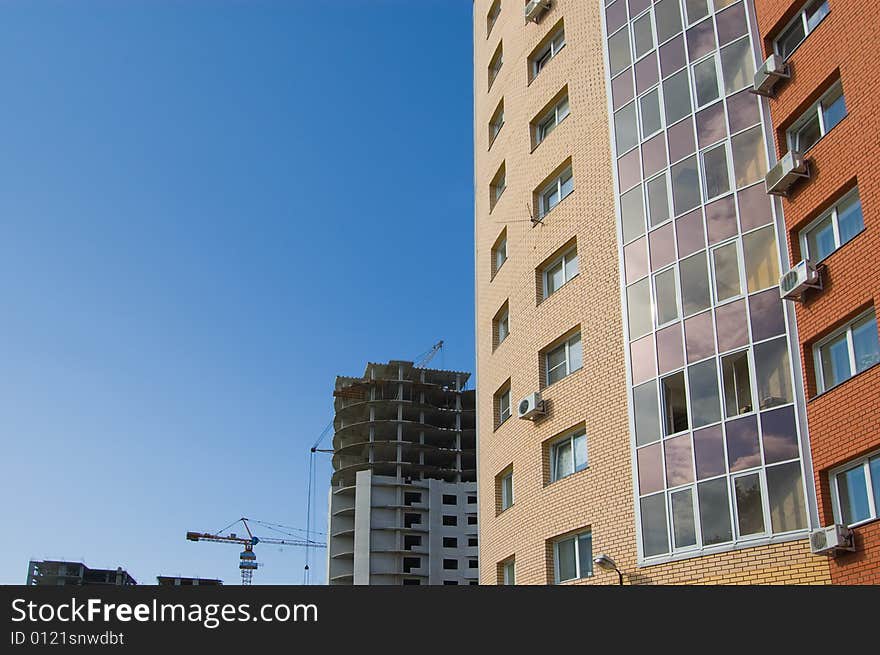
x=844, y=423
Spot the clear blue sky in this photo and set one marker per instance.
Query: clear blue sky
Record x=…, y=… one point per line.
x=208, y=210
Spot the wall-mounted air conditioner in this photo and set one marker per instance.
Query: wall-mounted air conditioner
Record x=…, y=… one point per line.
x=770, y=72
x=832, y=540
x=796, y=281
x=531, y=407
x=782, y=177
x=534, y=9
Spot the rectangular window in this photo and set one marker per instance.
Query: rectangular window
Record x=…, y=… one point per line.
x=725, y=264
x=857, y=491
x=499, y=253
x=502, y=325
x=410, y=497
x=555, y=192
x=472, y=542
x=497, y=186
x=667, y=302
x=543, y=56
x=706, y=88
x=502, y=398
x=716, y=172
x=508, y=572
x=833, y=228
x=848, y=351
x=674, y=403
x=450, y=564
x=505, y=482
x=411, y=541
x=495, y=64
x=472, y=500
x=573, y=557
x=496, y=122
x=804, y=23
x=643, y=35
x=737, y=381
x=472, y=519
x=564, y=359
x=818, y=120
x=568, y=455
x=473, y=563
x=450, y=542
x=450, y=520
x=410, y=563
x=548, y=121
x=492, y=16
x=560, y=271
x=450, y=499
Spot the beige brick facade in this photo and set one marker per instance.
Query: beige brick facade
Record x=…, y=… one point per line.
x=600, y=498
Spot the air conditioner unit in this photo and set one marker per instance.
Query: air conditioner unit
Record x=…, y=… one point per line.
x=789, y=170
x=770, y=72
x=832, y=540
x=531, y=406
x=534, y=9
x=796, y=281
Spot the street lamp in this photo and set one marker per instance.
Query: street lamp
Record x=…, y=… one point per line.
x=605, y=562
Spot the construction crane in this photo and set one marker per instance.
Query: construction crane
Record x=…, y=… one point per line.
x=248, y=559
x=426, y=358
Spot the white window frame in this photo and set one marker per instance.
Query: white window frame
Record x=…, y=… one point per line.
x=833, y=213
x=495, y=65
x=501, y=407
x=652, y=22
x=719, y=81
x=498, y=185
x=546, y=54
x=570, y=439
x=569, y=261
x=507, y=495
x=753, y=384
x=499, y=254
x=873, y=509
x=850, y=348
x=761, y=472
x=791, y=134
x=740, y=269
x=508, y=572
x=496, y=123
x=545, y=125
x=492, y=16
x=644, y=136
x=728, y=160
x=566, y=361
x=656, y=304
x=503, y=319
x=802, y=17
x=556, y=185
x=577, y=556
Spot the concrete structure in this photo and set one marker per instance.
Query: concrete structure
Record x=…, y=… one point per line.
x=178, y=581
x=627, y=259
x=402, y=507
x=59, y=573
x=830, y=111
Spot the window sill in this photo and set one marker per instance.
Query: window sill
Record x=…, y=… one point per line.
x=541, y=218
x=567, y=477
x=824, y=260
x=821, y=394
x=563, y=286
x=498, y=427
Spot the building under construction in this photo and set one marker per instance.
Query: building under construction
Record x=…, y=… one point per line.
x=403, y=497
x=58, y=573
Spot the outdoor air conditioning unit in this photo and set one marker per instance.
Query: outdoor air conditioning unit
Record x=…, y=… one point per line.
x=796, y=281
x=832, y=540
x=534, y=9
x=789, y=170
x=531, y=406
x=770, y=72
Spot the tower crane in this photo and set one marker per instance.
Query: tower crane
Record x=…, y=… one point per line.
x=248, y=559
x=425, y=359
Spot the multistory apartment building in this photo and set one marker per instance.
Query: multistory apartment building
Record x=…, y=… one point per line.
x=183, y=581
x=628, y=258
x=826, y=108
x=59, y=573
x=403, y=496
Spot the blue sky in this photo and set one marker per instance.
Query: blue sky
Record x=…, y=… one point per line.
x=208, y=210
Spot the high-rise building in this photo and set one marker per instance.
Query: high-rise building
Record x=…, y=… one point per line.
x=403, y=496
x=59, y=573
x=825, y=108
x=181, y=581
x=628, y=258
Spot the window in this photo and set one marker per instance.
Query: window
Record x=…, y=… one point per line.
x=473, y=563
x=737, y=382
x=677, y=97
x=499, y=252
x=705, y=75
x=649, y=111
x=411, y=541
x=450, y=542
x=555, y=192
x=818, y=120
x=643, y=35
x=450, y=499
x=450, y=564
x=410, y=497
x=667, y=303
x=848, y=351
x=472, y=542
x=492, y=16
x=716, y=172
x=495, y=64
x=508, y=572
x=472, y=519
x=548, y=121
x=412, y=581
x=543, y=56
x=725, y=262
x=834, y=228
x=472, y=500
x=450, y=583
x=856, y=491
x=568, y=455
x=410, y=520
x=502, y=399
x=497, y=186
x=505, y=483
x=573, y=557
x=674, y=403
x=496, y=122
x=564, y=359
x=450, y=520
x=410, y=563
x=502, y=325
x=560, y=271
x=804, y=23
